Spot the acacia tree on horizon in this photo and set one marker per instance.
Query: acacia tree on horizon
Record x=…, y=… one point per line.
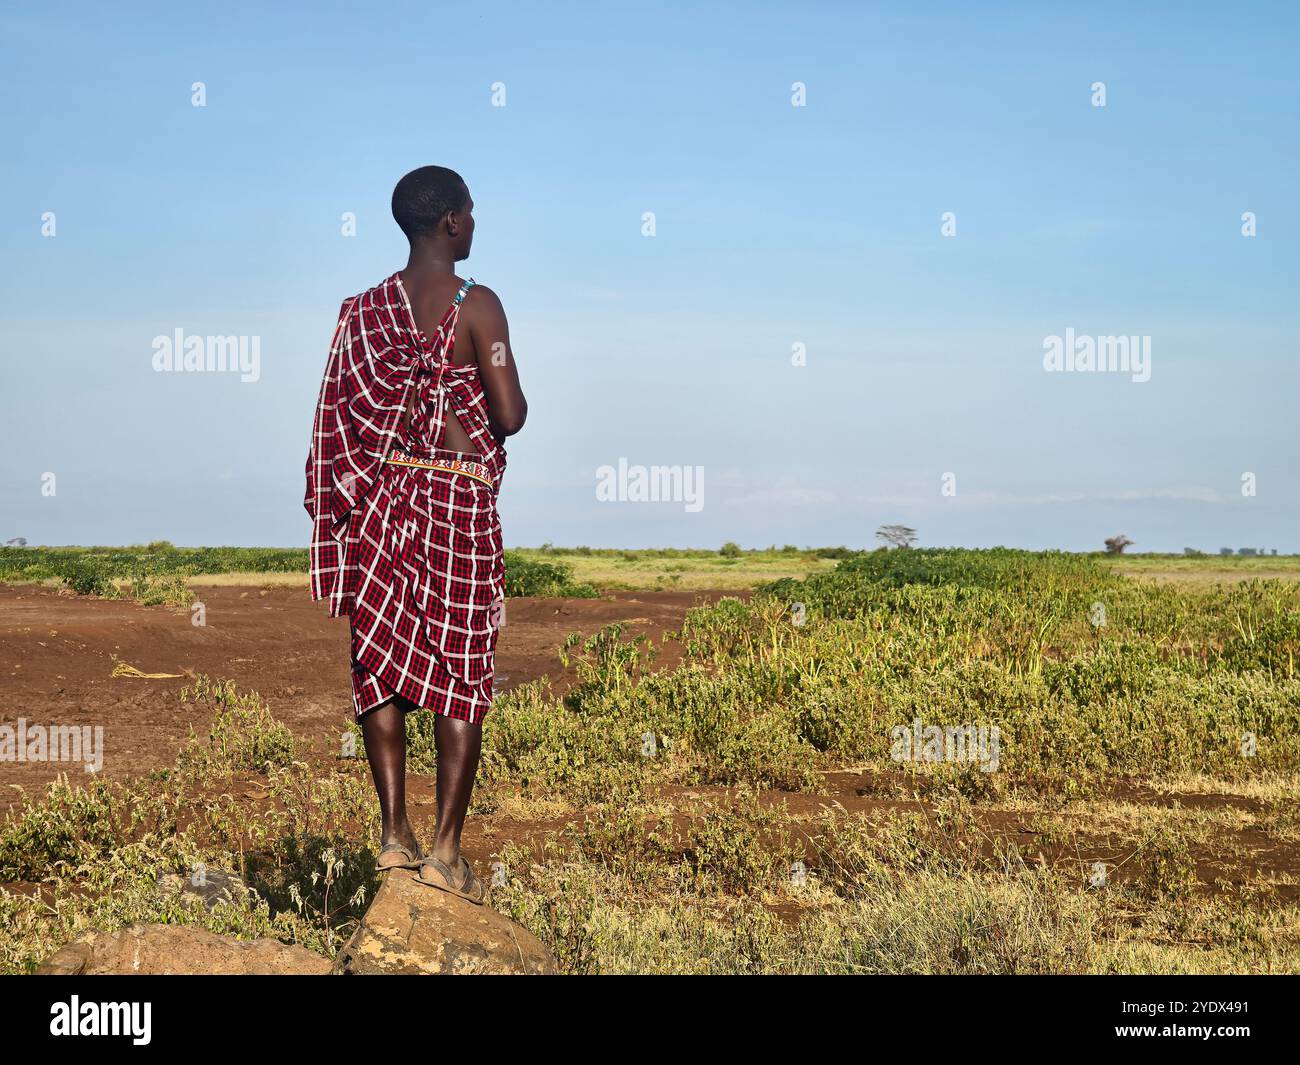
x=896, y=535
x=1116, y=544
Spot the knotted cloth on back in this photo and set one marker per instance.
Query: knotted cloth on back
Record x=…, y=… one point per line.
x=373, y=361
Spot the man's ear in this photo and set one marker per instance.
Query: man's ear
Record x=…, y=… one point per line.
x=452, y=223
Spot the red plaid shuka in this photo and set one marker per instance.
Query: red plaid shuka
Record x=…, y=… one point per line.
x=406, y=539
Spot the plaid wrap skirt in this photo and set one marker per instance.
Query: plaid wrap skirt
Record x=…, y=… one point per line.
x=431, y=591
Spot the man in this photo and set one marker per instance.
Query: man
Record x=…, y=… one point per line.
x=406, y=461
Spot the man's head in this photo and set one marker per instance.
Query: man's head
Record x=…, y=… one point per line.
x=433, y=203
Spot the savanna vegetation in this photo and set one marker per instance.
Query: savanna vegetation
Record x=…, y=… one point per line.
x=767, y=805
x=160, y=573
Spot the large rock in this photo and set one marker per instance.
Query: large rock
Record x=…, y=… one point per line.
x=413, y=929
x=179, y=950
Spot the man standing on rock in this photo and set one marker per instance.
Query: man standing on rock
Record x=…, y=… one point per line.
x=406, y=461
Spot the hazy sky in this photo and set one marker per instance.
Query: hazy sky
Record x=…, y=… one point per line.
x=775, y=226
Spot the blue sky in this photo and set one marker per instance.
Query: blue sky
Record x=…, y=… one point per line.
x=775, y=225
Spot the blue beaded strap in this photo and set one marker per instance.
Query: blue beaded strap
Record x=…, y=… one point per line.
x=463, y=289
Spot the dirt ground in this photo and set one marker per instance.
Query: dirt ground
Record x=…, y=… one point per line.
x=58, y=652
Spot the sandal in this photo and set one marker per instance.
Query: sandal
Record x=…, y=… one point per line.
x=470, y=889
x=405, y=859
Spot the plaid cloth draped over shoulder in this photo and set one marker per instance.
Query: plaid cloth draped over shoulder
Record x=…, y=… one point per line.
x=413, y=556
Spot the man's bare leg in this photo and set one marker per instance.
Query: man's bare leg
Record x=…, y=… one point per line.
x=458, y=744
x=384, y=729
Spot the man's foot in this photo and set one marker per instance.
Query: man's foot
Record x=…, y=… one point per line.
x=461, y=882
x=399, y=849
x=396, y=856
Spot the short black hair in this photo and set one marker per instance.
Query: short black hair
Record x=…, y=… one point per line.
x=425, y=197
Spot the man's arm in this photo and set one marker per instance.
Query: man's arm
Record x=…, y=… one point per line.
x=507, y=408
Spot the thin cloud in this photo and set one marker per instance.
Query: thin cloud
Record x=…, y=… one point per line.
x=789, y=493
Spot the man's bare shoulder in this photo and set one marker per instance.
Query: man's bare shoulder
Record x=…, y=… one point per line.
x=481, y=299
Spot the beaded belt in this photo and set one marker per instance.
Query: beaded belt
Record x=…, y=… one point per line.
x=465, y=467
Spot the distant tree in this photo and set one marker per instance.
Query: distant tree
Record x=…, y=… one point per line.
x=896, y=535
x=1193, y=552
x=21, y=541
x=730, y=550
x=1225, y=550
x=1116, y=544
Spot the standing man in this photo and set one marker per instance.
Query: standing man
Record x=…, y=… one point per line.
x=406, y=461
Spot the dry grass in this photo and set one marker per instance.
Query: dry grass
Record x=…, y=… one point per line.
x=645, y=571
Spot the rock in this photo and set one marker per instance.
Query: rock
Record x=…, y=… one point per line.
x=179, y=950
x=408, y=929
x=412, y=929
